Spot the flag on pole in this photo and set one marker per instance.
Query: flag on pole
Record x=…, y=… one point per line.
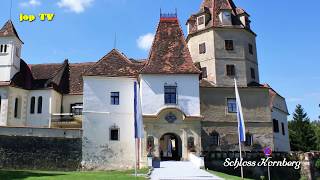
x=138, y=124
x=241, y=125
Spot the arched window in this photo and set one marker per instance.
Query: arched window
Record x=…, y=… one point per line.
x=249, y=139
x=40, y=105
x=16, y=107
x=215, y=138
x=32, y=105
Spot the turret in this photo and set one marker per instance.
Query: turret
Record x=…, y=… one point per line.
x=10, y=51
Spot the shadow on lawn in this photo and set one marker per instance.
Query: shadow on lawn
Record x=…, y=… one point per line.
x=19, y=175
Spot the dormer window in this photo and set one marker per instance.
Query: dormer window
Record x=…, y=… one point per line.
x=225, y=17
x=3, y=48
x=201, y=22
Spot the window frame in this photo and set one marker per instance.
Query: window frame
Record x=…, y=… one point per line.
x=40, y=104
x=115, y=98
x=229, y=45
x=204, y=72
x=202, y=48
x=230, y=72
x=253, y=73
x=233, y=107
x=203, y=20
x=16, y=108
x=250, y=47
x=215, y=136
x=171, y=94
x=275, y=124
x=114, y=128
x=32, y=105
x=249, y=140
x=283, y=129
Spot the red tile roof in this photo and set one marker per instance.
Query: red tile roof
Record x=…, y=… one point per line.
x=115, y=64
x=76, y=80
x=212, y=8
x=9, y=30
x=169, y=53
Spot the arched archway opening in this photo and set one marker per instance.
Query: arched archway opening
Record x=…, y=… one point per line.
x=170, y=147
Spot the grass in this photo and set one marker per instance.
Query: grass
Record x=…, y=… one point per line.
x=48, y=175
x=226, y=176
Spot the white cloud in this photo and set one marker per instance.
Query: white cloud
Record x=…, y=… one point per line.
x=30, y=3
x=77, y=6
x=145, y=41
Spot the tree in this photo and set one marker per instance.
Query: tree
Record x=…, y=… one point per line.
x=301, y=132
x=316, y=128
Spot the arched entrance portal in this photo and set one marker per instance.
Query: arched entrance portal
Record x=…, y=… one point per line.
x=170, y=147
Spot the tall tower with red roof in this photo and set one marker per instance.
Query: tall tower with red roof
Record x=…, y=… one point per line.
x=222, y=42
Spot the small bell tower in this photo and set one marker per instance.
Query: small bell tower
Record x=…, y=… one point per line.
x=10, y=51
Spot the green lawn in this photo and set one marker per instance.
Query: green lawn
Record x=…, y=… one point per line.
x=226, y=176
x=45, y=175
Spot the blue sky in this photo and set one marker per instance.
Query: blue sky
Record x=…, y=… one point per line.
x=84, y=30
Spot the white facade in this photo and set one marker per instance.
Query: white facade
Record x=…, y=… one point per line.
x=99, y=151
x=152, y=89
x=280, y=113
x=51, y=103
x=9, y=60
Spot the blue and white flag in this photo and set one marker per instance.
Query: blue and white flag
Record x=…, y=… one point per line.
x=241, y=125
x=138, y=123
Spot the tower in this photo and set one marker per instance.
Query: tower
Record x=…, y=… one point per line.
x=10, y=51
x=222, y=43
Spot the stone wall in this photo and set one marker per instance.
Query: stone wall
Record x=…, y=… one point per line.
x=308, y=169
x=41, y=152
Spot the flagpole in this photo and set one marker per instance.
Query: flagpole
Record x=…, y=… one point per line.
x=239, y=116
x=135, y=164
x=240, y=149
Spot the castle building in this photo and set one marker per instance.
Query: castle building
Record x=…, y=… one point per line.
x=186, y=92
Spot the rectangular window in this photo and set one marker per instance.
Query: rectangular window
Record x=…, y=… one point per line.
x=275, y=126
x=283, y=130
x=253, y=73
x=170, y=94
x=231, y=70
x=76, y=108
x=202, y=48
x=232, y=105
x=250, y=48
x=229, y=45
x=115, y=98
x=204, y=72
x=200, y=20
x=114, y=134
x=249, y=140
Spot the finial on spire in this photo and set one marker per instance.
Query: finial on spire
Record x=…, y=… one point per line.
x=115, y=41
x=169, y=16
x=10, y=9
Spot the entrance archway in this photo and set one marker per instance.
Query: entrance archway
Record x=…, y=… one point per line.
x=170, y=147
